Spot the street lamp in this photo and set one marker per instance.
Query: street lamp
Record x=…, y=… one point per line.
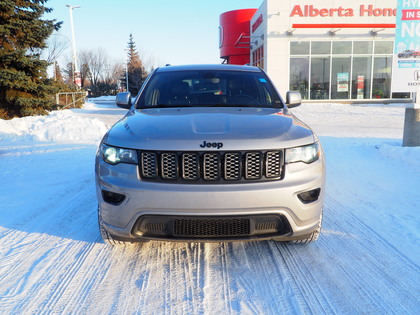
x=126, y=75
x=76, y=68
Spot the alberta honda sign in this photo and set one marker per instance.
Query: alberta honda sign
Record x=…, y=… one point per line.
x=362, y=10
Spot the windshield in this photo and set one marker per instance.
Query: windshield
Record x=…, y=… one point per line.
x=204, y=88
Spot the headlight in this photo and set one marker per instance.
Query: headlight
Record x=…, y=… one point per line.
x=308, y=153
x=113, y=155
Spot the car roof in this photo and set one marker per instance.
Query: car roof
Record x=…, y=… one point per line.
x=214, y=67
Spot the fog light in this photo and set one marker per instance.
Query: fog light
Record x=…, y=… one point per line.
x=112, y=198
x=309, y=196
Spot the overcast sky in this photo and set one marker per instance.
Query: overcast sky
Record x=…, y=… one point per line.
x=165, y=31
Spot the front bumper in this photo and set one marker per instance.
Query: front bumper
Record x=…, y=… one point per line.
x=161, y=205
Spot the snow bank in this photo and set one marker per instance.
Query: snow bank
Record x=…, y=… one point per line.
x=409, y=156
x=353, y=120
x=102, y=98
x=59, y=126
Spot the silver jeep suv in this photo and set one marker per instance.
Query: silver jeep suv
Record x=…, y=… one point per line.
x=209, y=153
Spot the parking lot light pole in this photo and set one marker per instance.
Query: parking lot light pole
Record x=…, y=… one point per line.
x=76, y=68
x=126, y=75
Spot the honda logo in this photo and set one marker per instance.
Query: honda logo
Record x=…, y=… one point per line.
x=417, y=75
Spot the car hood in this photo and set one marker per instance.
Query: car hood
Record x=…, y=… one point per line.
x=185, y=129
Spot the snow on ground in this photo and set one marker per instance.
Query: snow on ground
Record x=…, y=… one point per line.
x=52, y=259
x=59, y=126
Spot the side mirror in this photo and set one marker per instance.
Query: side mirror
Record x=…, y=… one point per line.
x=123, y=100
x=293, y=99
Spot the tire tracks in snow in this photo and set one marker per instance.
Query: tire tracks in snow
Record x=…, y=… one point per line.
x=41, y=265
x=52, y=262
x=374, y=265
x=351, y=269
x=250, y=278
x=217, y=285
x=155, y=277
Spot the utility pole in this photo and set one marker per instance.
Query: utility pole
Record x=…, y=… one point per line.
x=126, y=75
x=76, y=77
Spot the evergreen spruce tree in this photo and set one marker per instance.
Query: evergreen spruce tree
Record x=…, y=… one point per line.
x=136, y=72
x=24, y=86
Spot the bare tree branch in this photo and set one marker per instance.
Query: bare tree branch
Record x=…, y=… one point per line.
x=56, y=45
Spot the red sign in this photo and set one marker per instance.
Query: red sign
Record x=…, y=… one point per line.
x=410, y=15
x=312, y=11
x=360, y=86
x=257, y=23
x=360, y=82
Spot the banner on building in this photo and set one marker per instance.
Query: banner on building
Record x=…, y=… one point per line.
x=406, y=66
x=343, y=82
x=360, y=86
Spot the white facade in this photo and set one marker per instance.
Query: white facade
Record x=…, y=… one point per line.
x=327, y=49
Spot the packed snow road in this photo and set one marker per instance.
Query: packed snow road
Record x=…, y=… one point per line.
x=366, y=261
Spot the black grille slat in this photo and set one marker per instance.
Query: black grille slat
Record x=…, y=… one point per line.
x=211, y=166
x=155, y=226
x=274, y=162
x=169, y=165
x=190, y=166
x=233, y=166
x=253, y=165
x=149, y=165
x=270, y=225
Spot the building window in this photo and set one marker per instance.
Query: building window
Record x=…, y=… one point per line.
x=320, y=78
x=341, y=69
x=341, y=48
x=299, y=48
x=361, y=77
x=340, y=77
x=320, y=48
x=383, y=48
x=258, y=57
x=299, y=75
x=381, y=83
x=363, y=47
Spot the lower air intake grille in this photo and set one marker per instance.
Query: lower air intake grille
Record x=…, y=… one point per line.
x=211, y=227
x=167, y=227
x=211, y=166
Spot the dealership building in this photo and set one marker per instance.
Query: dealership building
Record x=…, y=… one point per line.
x=326, y=49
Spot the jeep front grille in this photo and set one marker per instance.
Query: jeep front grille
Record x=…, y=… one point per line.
x=211, y=166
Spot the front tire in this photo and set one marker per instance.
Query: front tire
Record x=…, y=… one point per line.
x=107, y=238
x=313, y=236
